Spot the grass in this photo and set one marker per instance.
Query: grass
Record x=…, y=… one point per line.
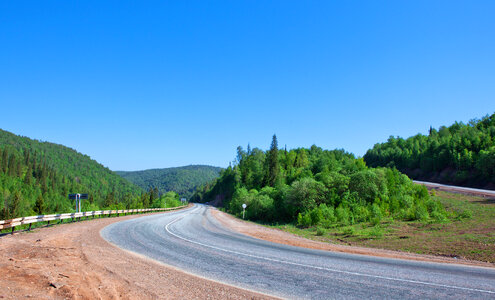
x=469, y=233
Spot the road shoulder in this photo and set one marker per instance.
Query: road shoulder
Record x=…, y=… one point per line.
x=72, y=261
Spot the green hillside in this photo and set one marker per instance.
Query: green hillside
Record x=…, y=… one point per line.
x=36, y=177
x=316, y=187
x=461, y=154
x=183, y=180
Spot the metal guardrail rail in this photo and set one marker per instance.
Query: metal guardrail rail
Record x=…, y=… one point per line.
x=12, y=223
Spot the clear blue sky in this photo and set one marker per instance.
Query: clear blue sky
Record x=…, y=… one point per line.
x=143, y=84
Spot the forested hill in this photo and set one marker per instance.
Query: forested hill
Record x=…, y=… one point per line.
x=36, y=177
x=316, y=187
x=183, y=180
x=461, y=154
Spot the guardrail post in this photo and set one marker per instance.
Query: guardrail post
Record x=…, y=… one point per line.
x=29, y=229
x=13, y=229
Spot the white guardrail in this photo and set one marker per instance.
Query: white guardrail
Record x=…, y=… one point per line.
x=12, y=223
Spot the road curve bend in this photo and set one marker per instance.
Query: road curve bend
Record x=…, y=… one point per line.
x=194, y=241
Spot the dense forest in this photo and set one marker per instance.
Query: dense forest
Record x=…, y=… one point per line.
x=183, y=180
x=461, y=154
x=36, y=178
x=316, y=187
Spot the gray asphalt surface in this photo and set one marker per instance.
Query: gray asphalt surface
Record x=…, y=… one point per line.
x=458, y=189
x=196, y=242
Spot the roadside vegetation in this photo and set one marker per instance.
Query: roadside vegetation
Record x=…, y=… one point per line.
x=461, y=154
x=316, y=187
x=467, y=232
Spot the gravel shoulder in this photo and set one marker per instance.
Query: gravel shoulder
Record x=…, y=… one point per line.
x=282, y=237
x=72, y=261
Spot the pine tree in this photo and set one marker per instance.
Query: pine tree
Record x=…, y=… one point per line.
x=15, y=206
x=12, y=166
x=29, y=174
x=5, y=160
x=39, y=205
x=109, y=200
x=146, y=200
x=272, y=163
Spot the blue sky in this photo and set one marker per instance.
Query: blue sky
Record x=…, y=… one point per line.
x=143, y=84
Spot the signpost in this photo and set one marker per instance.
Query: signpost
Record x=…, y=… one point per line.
x=183, y=200
x=243, y=209
x=78, y=198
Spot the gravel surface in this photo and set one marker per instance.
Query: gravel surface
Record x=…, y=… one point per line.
x=196, y=241
x=72, y=261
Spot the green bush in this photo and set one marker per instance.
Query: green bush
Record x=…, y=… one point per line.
x=466, y=214
x=342, y=215
x=304, y=221
x=349, y=231
x=316, y=216
x=376, y=232
x=320, y=231
x=421, y=213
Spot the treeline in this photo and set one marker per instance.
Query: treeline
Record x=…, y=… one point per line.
x=316, y=187
x=36, y=178
x=183, y=180
x=461, y=154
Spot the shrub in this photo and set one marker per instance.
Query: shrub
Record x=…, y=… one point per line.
x=304, y=220
x=376, y=214
x=342, y=215
x=316, y=216
x=376, y=232
x=466, y=214
x=421, y=213
x=320, y=231
x=349, y=231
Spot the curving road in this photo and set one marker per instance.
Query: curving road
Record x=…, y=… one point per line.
x=195, y=241
x=457, y=189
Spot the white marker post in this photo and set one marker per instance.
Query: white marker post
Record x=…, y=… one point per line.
x=243, y=209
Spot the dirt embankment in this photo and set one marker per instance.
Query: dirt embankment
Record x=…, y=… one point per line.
x=282, y=237
x=72, y=261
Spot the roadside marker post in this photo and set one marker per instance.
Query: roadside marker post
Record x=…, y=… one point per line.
x=243, y=209
x=78, y=197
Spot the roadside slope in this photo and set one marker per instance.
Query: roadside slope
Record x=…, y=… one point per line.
x=73, y=261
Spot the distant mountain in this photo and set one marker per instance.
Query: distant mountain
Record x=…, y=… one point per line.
x=183, y=180
x=35, y=177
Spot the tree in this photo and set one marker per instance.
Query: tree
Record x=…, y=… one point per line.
x=39, y=205
x=109, y=200
x=272, y=163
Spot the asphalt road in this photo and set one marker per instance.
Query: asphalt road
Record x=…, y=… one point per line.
x=196, y=242
x=457, y=189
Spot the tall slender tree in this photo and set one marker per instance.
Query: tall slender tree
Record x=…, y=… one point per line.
x=272, y=163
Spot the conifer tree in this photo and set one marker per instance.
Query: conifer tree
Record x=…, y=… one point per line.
x=29, y=175
x=39, y=205
x=5, y=160
x=272, y=163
